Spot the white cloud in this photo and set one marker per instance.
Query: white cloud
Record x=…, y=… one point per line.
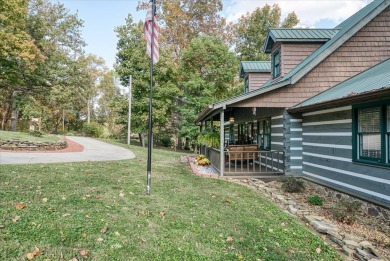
x=310, y=12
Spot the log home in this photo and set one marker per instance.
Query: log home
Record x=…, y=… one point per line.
x=324, y=114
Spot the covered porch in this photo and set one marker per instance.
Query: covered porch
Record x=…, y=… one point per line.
x=244, y=143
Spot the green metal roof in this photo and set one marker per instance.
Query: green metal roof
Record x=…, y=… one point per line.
x=297, y=35
x=375, y=78
x=346, y=30
x=254, y=66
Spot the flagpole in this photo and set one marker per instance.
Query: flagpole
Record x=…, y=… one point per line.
x=150, y=134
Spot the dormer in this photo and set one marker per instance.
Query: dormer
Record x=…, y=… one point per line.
x=289, y=47
x=255, y=74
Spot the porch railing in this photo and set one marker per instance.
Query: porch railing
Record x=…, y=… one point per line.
x=247, y=162
x=254, y=162
x=214, y=157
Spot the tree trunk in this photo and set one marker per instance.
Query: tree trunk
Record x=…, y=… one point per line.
x=88, y=112
x=141, y=137
x=5, y=116
x=15, y=112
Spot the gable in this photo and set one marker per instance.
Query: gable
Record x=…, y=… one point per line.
x=366, y=48
x=277, y=35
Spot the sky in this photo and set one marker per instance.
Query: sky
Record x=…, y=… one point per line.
x=102, y=16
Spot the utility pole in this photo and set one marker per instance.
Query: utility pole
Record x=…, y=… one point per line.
x=129, y=118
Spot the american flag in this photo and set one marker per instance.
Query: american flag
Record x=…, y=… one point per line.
x=148, y=33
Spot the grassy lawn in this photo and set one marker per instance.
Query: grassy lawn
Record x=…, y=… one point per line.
x=99, y=211
x=25, y=136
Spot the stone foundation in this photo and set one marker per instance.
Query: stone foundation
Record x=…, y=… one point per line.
x=367, y=207
x=16, y=144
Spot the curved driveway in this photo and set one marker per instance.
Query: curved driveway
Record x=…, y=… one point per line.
x=94, y=150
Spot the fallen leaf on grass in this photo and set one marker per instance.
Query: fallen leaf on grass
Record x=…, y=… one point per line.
x=229, y=239
x=228, y=201
x=163, y=212
x=240, y=256
x=1, y=226
x=20, y=206
x=66, y=215
x=37, y=251
x=16, y=219
x=121, y=194
x=104, y=229
x=44, y=200
x=100, y=240
x=84, y=253
x=318, y=250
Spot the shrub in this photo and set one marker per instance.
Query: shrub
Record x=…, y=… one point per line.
x=345, y=211
x=199, y=157
x=92, y=129
x=292, y=185
x=201, y=160
x=204, y=162
x=387, y=244
x=315, y=200
x=165, y=141
x=36, y=133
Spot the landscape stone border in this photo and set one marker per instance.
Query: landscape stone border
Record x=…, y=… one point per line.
x=355, y=248
x=17, y=145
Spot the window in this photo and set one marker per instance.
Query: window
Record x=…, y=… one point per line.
x=276, y=63
x=246, y=84
x=264, y=134
x=372, y=134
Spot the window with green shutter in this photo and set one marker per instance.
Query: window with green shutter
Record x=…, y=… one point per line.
x=246, y=84
x=276, y=64
x=371, y=134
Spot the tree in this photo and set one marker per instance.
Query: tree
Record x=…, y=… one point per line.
x=56, y=83
x=57, y=39
x=251, y=30
x=183, y=20
x=109, y=103
x=92, y=69
x=209, y=70
x=19, y=56
x=132, y=60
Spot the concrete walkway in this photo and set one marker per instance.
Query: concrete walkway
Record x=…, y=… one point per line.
x=94, y=150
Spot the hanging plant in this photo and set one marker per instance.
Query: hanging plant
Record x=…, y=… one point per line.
x=210, y=139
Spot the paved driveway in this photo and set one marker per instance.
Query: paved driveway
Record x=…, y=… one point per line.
x=94, y=150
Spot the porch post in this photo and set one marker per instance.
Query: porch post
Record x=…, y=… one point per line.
x=221, y=145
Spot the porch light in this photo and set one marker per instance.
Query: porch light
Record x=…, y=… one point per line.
x=231, y=120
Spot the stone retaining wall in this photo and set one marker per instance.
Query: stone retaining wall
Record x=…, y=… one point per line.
x=16, y=144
